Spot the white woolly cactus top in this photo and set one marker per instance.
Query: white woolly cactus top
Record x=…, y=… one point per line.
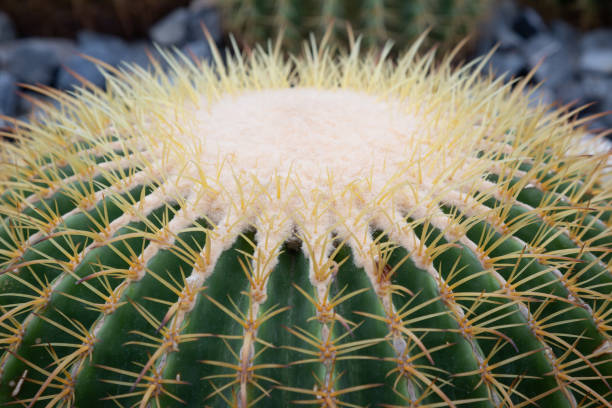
x=313, y=147
x=315, y=151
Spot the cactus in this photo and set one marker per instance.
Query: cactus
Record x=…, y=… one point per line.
x=378, y=20
x=336, y=229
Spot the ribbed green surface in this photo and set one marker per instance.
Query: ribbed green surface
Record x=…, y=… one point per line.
x=292, y=369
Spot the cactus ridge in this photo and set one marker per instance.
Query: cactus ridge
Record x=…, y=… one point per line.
x=139, y=267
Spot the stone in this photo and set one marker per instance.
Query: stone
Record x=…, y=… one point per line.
x=572, y=93
x=7, y=28
x=171, y=29
x=567, y=35
x=540, y=96
x=30, y=106
x=595, y=39
x=557, y=64
x=35, y=60
x=597, y=61
x=26, y=105
x=8, y=94
x=596, y=55
x=576, y=68
x=508, y=63
x=593, y=89
x=528, y=23
x=502, y=36
x=497, y=31
x=141, y=53
x=207, y=16
x=91, y=43
x=86, y=38
x=198, y=50
x=597, y=85
x=107, y=48
x=564, y=32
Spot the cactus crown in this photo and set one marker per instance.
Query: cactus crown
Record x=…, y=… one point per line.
x=336, y=230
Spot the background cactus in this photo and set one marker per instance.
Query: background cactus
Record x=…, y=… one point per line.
x=378, y=20
x=331, y=230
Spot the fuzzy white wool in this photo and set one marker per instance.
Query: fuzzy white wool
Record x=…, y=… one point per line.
x=310, y=133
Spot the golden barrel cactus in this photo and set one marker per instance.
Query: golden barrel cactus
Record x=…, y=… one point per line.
x=335, y=229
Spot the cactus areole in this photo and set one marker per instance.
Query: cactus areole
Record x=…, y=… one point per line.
x=337, y=229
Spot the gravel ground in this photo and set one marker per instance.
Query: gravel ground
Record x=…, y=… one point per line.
x=575, y=67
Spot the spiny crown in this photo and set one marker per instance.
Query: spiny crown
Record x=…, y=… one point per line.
x=497, y=208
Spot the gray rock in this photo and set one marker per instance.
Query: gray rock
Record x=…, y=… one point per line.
x=557, y=65
x=572, y=92
x=596, y=53
x=82, y=67
x=141, y=53
x=597, y=85
x=564, y=32
x=91, y=43
x=201, y=15
x=576, y=68
x=7, y=29
x=599, y=125
x=597, y=61
x=86, y=38
x=597, y=106
x=172, y=29
x=592, y=89
x=541, y=96
x=595, y=39
x=30, y=105
x=106, y=48
x=509, y=63
x=198, y=50
x=8, y=94
x=25, y=104
x=496, y=29
x=567, y=35
x=528, y=23
x=35, y=60
x=502, y=36
x=507, y=39
x=606, y=106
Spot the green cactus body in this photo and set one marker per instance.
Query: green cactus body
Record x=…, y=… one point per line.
x=378, y=20
x=327, y=231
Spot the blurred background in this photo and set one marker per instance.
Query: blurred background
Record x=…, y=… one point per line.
x=42, y=41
